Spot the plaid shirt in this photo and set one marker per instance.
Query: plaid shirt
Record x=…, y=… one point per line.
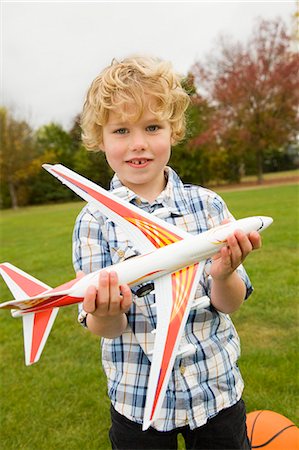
x=200, y=385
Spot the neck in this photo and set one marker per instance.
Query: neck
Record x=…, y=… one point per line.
x=149, y=191
x=150, y=196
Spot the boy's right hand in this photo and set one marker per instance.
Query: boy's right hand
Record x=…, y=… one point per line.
x=106, y=305
x=109, y=299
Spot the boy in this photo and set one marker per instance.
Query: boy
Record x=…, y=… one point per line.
x=135, y=112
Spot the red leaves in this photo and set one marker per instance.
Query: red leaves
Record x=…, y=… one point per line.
x=254, y=89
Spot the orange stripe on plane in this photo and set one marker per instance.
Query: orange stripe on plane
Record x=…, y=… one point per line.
x=129, y=215
x=182, y=282
x=45, y=302
x=55, y=302
x=41, y=320
x=144, y=276
x=170, y=342
x=30, y=287
x=157, y=235
x=162, y=234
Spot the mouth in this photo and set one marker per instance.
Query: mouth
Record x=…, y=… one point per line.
x=138, y=162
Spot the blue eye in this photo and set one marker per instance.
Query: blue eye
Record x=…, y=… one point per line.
x=121, y=131
x=153, y=127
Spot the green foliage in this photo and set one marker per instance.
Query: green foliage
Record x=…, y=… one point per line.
x=17, y=153
x=23, y=180
x=54, y=145
x=92, y=165
x=61, y=402
x=190, y=160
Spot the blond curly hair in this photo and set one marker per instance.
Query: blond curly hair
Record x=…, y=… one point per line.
x=132, y=82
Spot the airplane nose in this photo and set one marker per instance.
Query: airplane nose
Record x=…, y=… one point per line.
x=266, y=222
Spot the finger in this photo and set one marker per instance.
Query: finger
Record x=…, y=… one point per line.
x=103, y=296
x=244, y=243
x=255, y=239
x=89, y=302
x=236, y=253
x=126, y=300
x=115, y=298
x=225, y=254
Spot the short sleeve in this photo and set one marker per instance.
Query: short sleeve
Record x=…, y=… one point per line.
x=90, y=248
x=218, y=211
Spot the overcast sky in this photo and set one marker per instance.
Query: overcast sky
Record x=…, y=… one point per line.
x=51, y=51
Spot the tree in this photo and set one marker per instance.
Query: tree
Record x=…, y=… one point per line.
x=92, y=165
x=192, y=159
x=254, y=89
x=53, y=145
x=17, y=153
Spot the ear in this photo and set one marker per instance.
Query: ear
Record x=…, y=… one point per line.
x=173, y=140
x=101, y=147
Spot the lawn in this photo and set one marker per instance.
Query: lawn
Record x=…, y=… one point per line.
x=61, y=402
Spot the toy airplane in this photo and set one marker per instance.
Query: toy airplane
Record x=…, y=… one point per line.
x=169, y=256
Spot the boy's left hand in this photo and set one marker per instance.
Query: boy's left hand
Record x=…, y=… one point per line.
x=238, y=247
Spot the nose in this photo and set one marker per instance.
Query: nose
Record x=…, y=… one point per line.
x=138, y=141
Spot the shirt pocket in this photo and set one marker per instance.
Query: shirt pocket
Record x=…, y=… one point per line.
x=121, y=252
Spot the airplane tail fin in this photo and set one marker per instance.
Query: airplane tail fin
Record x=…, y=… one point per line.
x=36, y=326
x=20, y=283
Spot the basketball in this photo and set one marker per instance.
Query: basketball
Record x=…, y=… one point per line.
x=271, y=431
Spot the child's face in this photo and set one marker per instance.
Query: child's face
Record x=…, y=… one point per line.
x=138, y=151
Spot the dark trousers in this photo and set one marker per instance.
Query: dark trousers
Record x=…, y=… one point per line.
x=225, y=431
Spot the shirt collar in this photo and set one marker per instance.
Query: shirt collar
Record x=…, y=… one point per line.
x=172, y=197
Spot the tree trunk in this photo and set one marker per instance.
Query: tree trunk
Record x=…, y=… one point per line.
x=259, y=166
x=13, y=195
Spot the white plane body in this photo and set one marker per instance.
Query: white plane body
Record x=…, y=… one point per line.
x=169, y=256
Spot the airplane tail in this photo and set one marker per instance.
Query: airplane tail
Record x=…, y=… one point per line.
x=36, y=325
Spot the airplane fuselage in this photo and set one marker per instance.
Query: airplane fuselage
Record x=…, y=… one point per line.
x=167, y=259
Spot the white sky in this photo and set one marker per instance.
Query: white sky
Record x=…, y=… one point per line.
x=51, y=51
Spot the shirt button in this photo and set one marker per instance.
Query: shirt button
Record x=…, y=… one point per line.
x=182, y=369
x=138, y=201
x=121, y=253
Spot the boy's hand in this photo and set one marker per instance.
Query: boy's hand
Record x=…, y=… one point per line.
x=239, y=245
x=106, y=305
x=228, y=289
x=109, y=299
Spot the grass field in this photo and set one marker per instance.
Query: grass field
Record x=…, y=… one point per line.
x=61, y=402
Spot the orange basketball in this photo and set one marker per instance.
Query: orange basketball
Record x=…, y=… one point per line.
x=271, y=431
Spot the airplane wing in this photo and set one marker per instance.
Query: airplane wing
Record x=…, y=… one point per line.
x=36, y=326
x=172, y=316
x=144, y=230
x=174, y=293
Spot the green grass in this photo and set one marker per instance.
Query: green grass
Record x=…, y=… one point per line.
x=61, y=402
x=268, y=323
